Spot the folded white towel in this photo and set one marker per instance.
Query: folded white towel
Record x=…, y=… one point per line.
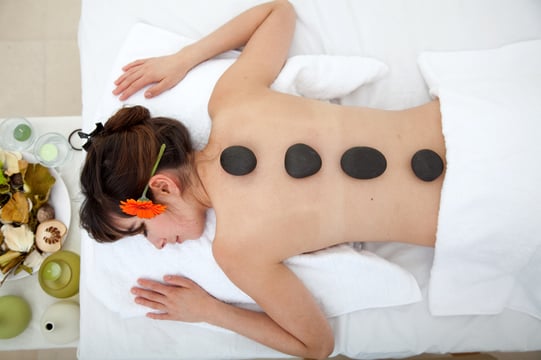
x=342, y=278
x=322, y=77
x=488, y=249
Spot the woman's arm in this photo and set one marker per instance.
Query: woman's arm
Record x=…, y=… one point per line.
x=267, y=46
x=167, y=71
x=181, y=299
x=300, y=324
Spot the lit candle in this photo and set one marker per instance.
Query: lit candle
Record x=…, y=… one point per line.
x=52, y=271
x=48, y=152
x=22, y=132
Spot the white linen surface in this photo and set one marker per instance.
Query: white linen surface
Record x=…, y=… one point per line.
x=489, y=232
x=392, y=31
x=322, y=77
x=362, y=279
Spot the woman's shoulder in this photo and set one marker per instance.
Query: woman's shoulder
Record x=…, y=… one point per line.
x=232, y=100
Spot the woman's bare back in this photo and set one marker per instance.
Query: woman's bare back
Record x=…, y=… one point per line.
x=270, y=210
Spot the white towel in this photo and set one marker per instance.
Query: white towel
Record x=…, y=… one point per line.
x=323, y=77
x=342, y=278
x=488, y=248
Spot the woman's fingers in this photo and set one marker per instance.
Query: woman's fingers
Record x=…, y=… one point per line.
x=128, y=81
x=152, y=285
x=122, y=77
x=162, y=72
x=177, y=298
x=132, y=88
x=130, y=69
x=178, y=281
x=160, y=316
x=150, y=304
x=148, y=294
x=134, y=63
x=153, y=295
x=157, y=89
x=135, y=77
x=149, y=298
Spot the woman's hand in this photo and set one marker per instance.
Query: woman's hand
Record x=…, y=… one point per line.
x=164, y=71
x=178, y=298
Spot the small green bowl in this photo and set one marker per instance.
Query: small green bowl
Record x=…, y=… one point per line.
x=15, y=315
x=59, y=274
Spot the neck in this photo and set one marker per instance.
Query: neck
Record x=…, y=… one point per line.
x=197, y=188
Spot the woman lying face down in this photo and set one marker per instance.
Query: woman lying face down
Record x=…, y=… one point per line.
x=285, y=175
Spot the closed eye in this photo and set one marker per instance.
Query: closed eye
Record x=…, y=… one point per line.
x=136, y=229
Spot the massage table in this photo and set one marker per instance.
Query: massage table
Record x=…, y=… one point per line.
x=407, y=299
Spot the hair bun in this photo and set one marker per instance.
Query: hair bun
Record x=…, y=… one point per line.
x=127, y=117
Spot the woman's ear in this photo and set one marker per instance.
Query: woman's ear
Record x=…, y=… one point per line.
x=161, y=184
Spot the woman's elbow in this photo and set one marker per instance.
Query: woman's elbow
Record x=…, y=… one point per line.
x=322, y=348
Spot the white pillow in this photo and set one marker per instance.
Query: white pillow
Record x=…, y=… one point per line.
x=488, y=248
x=316, y=76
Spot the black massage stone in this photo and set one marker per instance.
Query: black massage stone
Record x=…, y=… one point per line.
x=427, y=165
x=302, y=161
x=363, y=163
x=238, y=160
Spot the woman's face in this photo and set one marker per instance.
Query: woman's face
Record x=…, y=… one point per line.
x=168, y=228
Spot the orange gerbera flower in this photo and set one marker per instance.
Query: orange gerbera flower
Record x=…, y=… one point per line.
x=144, y=209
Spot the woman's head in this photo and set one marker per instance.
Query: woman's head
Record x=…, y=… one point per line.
x=118, y=164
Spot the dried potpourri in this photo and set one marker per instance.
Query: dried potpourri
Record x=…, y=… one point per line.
x=24, y=190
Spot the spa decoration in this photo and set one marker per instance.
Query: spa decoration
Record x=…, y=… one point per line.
x=24, y=194
x=17, y=134
x=238, y=160
x=363, y=163
x=52, y=149
x=302, y=161
x=60, y=322
x=59, y=274
x=50, y=235
x=15, y=315
x=143, y=207
x=427, y=165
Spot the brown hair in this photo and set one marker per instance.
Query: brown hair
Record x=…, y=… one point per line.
x=118, y=165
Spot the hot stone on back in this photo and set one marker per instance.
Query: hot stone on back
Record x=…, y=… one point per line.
x=238, y=160
x=302, y=161
x=362, y=162
x=427, y=165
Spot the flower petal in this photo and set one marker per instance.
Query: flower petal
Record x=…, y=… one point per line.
x=144, y=209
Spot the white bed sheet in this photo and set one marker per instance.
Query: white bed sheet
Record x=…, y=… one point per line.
x=393, y=31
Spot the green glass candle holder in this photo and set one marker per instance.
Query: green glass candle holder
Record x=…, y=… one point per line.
x=59, y=274
x=52, y=149
x=17, y=134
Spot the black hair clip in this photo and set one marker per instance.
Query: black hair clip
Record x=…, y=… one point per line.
x=98, y=130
